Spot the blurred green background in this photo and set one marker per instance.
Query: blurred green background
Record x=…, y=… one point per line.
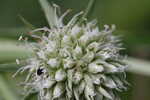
x=132, y=18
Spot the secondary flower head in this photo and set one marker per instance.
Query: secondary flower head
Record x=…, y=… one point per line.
x=76, y=61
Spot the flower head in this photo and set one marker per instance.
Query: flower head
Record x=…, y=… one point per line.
x=77, y=61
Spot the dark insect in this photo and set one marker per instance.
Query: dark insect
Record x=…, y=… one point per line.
x=39, y=71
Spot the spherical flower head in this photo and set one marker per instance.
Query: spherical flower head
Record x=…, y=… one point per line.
x=76, y=61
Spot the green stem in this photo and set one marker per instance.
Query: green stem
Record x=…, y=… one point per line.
x=138, y=66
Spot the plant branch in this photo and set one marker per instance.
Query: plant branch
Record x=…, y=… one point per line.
x=138, y=66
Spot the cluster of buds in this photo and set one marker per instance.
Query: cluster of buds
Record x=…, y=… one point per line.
x=76, y=61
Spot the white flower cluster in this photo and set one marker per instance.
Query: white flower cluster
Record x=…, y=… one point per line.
x=76, y=62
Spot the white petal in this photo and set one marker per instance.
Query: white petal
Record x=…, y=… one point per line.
x=93, y=45
x=81, y=87
x=76, y=94
x=89, y=92
x=96, y=79
x=53, y=62
x=105, y=93
x=70, y=78
x=48, y=83
x=94, y=68
x=48, y=95
x=84, y=39
x=110, y=83
x=103, y=55
x=88, y=57
x=77, y=53
x=76, y=31
x=77, y=77
x=60, y=75
x=41, y=54
x=68, y=63
x=89, y=88
x=58, y=90
x=66, y=40
x=51, y=46
x=110, y=68
x=68, y=92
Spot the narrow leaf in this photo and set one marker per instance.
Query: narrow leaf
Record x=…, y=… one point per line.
x=50, y=12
